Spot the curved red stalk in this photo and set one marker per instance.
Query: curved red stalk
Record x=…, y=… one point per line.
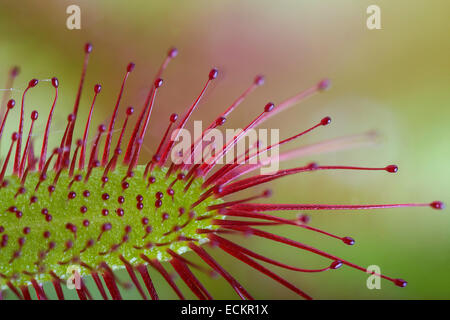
x=111, y=285
x=34, y=116
x=209, y=164
x=212, y=75
x=252, y=263
x=25, y=293
x=257, y=180
x=257, y=82
x=225, y=169
x=87, y=51
x=258, y=215
x=222, y=172
x=32, y=160
x=81, y=294
x=31, y=84
x=229, y=167
x=213, y=264
x=24, y=176
x=110, y=164
x=43, y=156
x=74, y=158
x=97, y=89
x=267, y=235
x=94, y=148
x=220, y=120
x=331, y=145
x=85, y=290
x=14, y=290
x=9, y=106
x=264, y=194
x=300, y=97
x=40, y=293
x=58, y=289
x=9, y=85
x=189, y=263
x=322, y=85
x=337, y=144
x=250, y=223
x=129, y=153
x=43, y=175
x=140, y=140
x=93, y=156
x=156, y=157
x=133, y=277
x=158, y=266
x=105, y=158
x=99, y=285
x=255, y=255
x=14, y=139
x=148, y=281
x=190, y=280
x=276, y=207
x=59, y=161
x=129, y=112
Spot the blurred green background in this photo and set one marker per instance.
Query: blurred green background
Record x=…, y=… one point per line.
x=395, y=80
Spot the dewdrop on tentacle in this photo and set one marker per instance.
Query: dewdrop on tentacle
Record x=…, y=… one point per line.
x=103, y=206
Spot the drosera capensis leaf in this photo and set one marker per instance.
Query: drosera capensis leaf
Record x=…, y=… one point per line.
x=91, y=205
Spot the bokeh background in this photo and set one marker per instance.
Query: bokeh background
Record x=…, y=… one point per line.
x=395, y=81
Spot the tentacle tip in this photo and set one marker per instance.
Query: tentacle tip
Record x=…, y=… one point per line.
x=15, y=71
x=71, y=117
x=173, y=117
x=34, y=115
x=55, y=82
x=313, y=166
x=213, y=74
x=348, y=241
x=173, y=52
x=11, y=103
x=156, y=159
x=304, y=218
x=130, y=110
x=218, y=189
x=392, y=168
x=158, y=83
x=98, y=88
x=269, y=107
x=259, y=80
x=267, y=193
x=400, y=283
x=33, y=83
x=130, y=67
x=88, y=47
x=102, y=128
x=220, y=121
x=213, y=274
x=335, y=265
x=325, y=121
x=438, y=205
x=324, y=84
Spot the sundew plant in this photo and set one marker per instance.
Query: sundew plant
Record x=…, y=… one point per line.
x=101, y=205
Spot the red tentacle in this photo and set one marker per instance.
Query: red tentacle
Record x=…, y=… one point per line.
x=213, y=264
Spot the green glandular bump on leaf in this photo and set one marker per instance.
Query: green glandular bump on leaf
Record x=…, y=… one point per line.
x=36, y=260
